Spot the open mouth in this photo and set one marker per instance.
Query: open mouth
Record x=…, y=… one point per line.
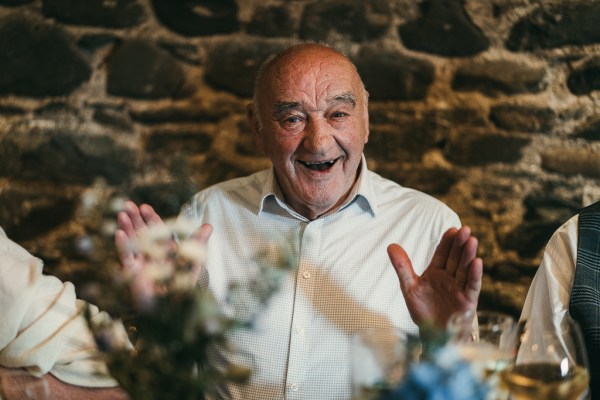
x=319, y=166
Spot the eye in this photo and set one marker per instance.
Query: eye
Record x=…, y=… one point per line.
x=292, y=120
x=338, y=114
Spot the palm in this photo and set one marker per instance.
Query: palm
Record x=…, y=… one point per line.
x=451, y=282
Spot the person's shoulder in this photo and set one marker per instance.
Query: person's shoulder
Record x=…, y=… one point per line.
x=244, y=191
x=593, y=208
x=393, y=192
x=241, y=185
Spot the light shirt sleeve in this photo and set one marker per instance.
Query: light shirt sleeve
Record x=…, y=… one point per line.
x=42, y=327
x=547, y=301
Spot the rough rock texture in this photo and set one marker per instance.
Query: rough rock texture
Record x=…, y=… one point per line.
x=490, y=106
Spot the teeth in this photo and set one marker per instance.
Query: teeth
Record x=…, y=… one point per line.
x=320, y=166
x=317, y=163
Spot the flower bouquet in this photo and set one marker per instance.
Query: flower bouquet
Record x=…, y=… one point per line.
x=165, y=331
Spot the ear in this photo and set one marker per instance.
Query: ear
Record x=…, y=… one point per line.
x=366, y=111
x=252, y=116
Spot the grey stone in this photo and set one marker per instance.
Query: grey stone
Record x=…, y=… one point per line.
x=545, y=208
x=481, y=149
x=113, y=119
x=166, y=198
x=434, y=181
x=38, y=59
x=591, y=131
x=63, y=155
x=198, y=17
x=444, y=28
x=104, y=13
x=390, y=75
x=92, y=41
x=402, y=143
x=272, y=21
x=140, y=69
x=179, y=140
x=585, y=79
x=572, y=161
x=15, y=2
x=9, y=110
x=356, y=20
x=188, y=53
x=458, y=116
x=552, y=26
x=47, y=210
x=188, y=113
x=497, y=77
x=523, y=118
x=232, y=65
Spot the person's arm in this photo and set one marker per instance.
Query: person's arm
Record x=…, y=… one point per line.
x=14, y=383
x=548, y=297
x=451, y=282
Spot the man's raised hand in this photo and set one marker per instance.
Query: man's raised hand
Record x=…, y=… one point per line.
x=451, y=282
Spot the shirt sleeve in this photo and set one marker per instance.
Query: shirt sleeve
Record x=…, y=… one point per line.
x=42, y=327
x=548, y=298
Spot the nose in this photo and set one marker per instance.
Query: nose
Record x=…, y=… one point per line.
x=318, y=136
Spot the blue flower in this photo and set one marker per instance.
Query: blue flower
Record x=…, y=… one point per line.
x=444, y=377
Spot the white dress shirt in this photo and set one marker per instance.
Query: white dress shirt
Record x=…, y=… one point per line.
x=547, y=301
x=344, y=281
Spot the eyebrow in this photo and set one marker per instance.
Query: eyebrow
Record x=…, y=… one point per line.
x=347, y=97
x=282, y=107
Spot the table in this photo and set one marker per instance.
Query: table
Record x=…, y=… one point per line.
x=13, y=381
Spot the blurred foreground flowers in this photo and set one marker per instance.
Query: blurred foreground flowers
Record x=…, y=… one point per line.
x=174, y=326
x=443, y=376
x=427, y=367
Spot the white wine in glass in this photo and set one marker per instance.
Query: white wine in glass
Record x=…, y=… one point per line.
x=485, y=339
x=550, y=365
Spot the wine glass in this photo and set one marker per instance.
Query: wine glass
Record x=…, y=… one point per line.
x=550, y=364
x=379, y=358
x=486, y=340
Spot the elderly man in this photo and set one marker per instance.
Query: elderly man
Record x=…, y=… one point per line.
x=309, y=116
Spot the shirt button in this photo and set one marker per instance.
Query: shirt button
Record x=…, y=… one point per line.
x=299, y=331
x=306, y=274
x=293, y=387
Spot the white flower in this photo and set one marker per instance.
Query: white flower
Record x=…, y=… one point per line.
x=193, y=251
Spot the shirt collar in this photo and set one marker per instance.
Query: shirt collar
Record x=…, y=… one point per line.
x=362, y=193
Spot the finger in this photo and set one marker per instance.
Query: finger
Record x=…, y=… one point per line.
x=133, y=212
x=403, y=266
x=473, y=286
x=456, y=251
x=468, y=255
x=203, y=233
x=124, y=250
x=443, y=249
x=124, y=223
x=149, y=216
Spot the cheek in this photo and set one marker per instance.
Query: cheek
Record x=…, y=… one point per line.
x=281, y=149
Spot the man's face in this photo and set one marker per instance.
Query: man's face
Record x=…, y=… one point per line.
x=314, y=127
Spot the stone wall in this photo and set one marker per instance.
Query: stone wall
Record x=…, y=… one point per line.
x=491, y=106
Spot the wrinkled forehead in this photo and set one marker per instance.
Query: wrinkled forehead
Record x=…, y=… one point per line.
x=309, y=68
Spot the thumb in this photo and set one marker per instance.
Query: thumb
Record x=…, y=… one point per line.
x=402, y=265
x=203, y=233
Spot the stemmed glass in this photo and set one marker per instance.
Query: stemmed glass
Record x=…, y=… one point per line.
x=379, y=359
x=550, y=365
x=486, y=340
